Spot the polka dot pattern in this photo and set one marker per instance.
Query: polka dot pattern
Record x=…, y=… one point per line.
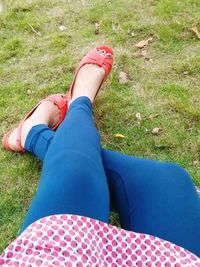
x=70, y=240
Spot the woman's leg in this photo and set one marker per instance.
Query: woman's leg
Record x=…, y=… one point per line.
x=150, y=196
x=73, y=178
x=154, y=197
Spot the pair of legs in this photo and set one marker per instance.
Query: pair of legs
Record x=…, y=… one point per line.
x=79, y=177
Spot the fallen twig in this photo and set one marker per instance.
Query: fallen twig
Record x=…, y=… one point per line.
x=33, y=30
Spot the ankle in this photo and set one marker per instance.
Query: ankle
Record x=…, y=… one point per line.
x=46, y=113
x=80, y=100
x=87, y=82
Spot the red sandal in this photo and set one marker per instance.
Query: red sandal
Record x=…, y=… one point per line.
x=101, y=56
x=60, y=100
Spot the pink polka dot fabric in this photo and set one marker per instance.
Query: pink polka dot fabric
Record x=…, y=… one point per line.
x=70, y=240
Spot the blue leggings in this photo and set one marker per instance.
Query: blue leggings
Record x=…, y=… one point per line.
x=79, y=177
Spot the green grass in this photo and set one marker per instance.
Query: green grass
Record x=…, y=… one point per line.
x=167, y=84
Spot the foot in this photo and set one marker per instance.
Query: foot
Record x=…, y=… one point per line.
x=88, y=81
x=46, y=113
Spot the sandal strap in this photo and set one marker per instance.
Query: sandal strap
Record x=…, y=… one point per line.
x=102, y=60
x=60, y=100
x=5, y=140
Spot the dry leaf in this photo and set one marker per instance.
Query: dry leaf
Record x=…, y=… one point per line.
x=189, y=126
x=156, y=130
x=195, y=162
x=150, y=60
x=138, y=116
x=132, y=34
x=29, y=92
x=195, y=30
x=123, y=77
x=152, y=116
x=97, y=26
x=144, y=43
x=62, y=28
x=118, y=135
x=185, y=73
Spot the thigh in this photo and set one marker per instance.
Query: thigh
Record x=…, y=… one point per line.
x=76, y=186
x=155, y=198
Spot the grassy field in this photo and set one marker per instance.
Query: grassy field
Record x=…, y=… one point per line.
x=38, y=58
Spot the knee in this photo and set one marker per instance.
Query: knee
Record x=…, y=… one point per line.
x=176, y=174
x=175, y=168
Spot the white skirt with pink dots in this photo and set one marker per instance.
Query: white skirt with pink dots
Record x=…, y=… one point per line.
x=70, y=240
